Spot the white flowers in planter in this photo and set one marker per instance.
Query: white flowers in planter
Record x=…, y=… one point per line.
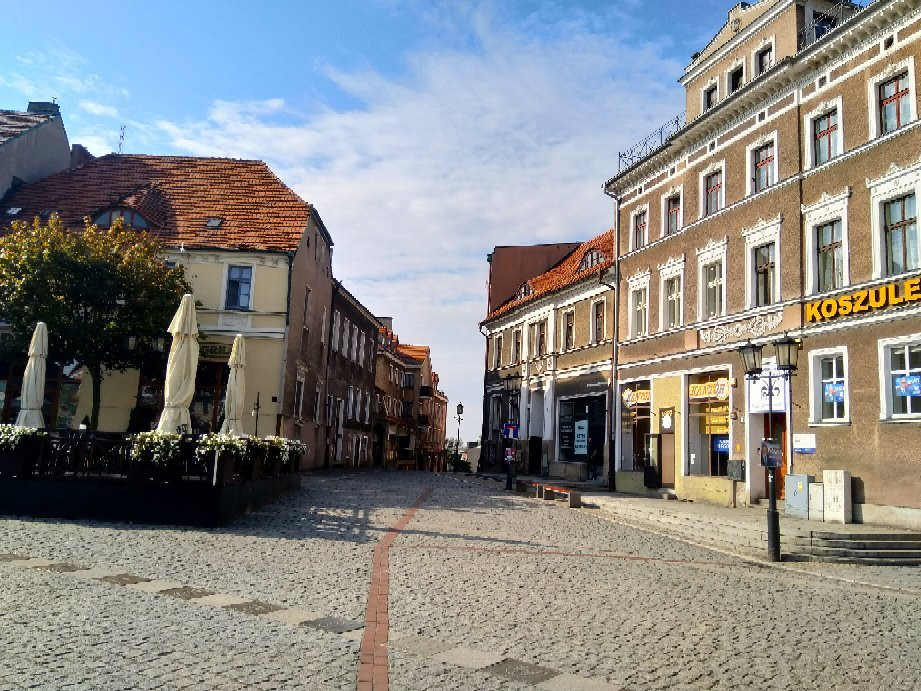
x=208, y=444
x=11, y=436
x=162, y=446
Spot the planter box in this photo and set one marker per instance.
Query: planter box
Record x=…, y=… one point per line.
x=20, y=461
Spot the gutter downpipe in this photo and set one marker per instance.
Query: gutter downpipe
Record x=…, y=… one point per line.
x=280, y=406
x=485, y=422
x=614, y=448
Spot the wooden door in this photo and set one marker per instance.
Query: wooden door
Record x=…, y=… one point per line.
x=775, y=427
x=667, y=459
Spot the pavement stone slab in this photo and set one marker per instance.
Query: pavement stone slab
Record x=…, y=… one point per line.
x=219, y=600
x=468, y=657
x=420, y=645
x=254, y=607
x=124, y=579
x=571, y=682
x=154, y=586
x=293, y=615
x=518, y=670
x=334, y=624
x=186, y=592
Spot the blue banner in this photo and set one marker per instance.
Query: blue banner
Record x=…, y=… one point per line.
x=907, y=385
x=721, y=443
x=834, y=392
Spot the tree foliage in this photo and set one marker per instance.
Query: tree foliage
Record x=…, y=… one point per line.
x=93, y=288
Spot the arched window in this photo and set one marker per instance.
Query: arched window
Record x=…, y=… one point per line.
x=132, y=218
x=590, y=259
x=524, y=290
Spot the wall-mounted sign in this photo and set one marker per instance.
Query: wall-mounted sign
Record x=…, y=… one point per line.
x=214, y=350
x=667, y=420
x=765, y=393
x=718, y=390
x=632, y=398
x=510, y=430
x=754, y=327
x=804, y=443
x=720, y=443
x=866, y=300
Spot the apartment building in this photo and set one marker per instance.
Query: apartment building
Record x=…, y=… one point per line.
x=783, y=201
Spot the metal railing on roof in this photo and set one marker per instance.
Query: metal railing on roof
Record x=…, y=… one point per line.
x=649, y=144
x=829, y=19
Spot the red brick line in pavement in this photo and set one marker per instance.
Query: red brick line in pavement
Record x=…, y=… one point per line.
x=373, y=663
x=559, y=553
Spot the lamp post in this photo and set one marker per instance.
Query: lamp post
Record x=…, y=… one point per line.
x=787, y=352
x=512, y=382
x=460, y=411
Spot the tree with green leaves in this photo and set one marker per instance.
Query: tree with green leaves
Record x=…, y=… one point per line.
x=93, y=288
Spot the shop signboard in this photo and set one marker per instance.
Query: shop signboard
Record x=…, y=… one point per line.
x=580, y=447
x=804, y=443
x=759, y=398
x=720, y=443
x=711, y=390
x=631, y=397
x=907, y=385
x=566, y=434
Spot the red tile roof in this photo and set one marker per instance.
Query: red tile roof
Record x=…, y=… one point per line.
x=413, y=352
x=177, y=195
x=563, y=274
x=13, y=123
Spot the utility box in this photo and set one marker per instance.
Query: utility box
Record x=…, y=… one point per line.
x=797, y=495
x=816, y=501
x=838, y=508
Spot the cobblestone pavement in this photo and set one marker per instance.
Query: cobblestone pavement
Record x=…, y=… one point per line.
x=487, y=590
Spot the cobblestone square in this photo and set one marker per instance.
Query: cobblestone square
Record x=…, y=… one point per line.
x=501, y=583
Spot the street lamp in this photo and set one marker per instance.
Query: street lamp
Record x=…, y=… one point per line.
x=460, y=411
x=787, y=352
x=512, y=382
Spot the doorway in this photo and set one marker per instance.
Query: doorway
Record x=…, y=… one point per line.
x=775, y=427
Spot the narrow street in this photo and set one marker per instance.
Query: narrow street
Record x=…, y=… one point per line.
x=421, y=581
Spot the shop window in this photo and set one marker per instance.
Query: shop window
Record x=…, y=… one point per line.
x=901, y=235
x=239, y=286
x=708, y=424
x=829, y=385
x=635, y=427
x=581, y=427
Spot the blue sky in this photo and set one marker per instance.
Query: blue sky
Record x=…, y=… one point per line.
x=425, y=132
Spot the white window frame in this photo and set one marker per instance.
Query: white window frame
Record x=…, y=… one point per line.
x=672, y=268
x=323, y=327
x=732, y=68
x=716, y=166
x=829, y=208
x=815, y=386
x=299, y=397
x=362, y=340
x=765, y=140
x=823, y=108
x=517, y=341
x=348, y=403
x=762, y=234
x=663, y=208
x=767, y=43
x=885, y=375
x=252, y=287
x=713, y=251
x=316, y=405
x=497, y=351
x=713, y=82
x=877, y=80
x=308, y=302
x=335, y=334
x=563, y=346
x=598, y=337
x=639, y=281
x=897, y=182
x=644, y=209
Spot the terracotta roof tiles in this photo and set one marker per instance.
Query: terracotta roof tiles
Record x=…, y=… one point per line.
x=176, y=195
x=13, y=123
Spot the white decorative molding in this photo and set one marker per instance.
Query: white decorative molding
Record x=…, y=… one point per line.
x=714, y=249
x=638, y=280
x=671, y=266
x=750, y=328
x=827, y=200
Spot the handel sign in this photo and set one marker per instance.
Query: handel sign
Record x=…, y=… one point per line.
x=866, y=300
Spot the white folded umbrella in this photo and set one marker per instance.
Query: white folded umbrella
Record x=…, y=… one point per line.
x=33, y=380
x=179, y=388
x=236, y=389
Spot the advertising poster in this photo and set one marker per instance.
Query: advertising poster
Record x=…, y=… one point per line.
x=907, y=384
x=581, y=441
x=834, y=392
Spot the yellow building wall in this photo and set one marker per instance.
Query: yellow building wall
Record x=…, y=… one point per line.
x=117, y=398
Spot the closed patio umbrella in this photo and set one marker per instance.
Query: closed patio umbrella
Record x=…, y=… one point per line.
x=33, y=381
x=236, y=389
x=179, y=388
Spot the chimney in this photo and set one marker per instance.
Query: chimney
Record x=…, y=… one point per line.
x=43, y=108
x=386, y=321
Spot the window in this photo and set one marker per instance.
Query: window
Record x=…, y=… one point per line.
x=639, y=230
x=598, y=321
x=516, y=346
x=348, y=404
x=829, y=259
x=894, y=110
x=239, y=285
x=130, y=217
x=591, y=259
x=497, y=352
x=316, y=405
x=306, y=315
x=904, y=379
x=736, y=78
x=709, y=97
x=764, y=275
x=713, y=290
x=329, y=410
x=323, y=327
x=832, y=381
x=541, y=338
x=901, y=235
x=822, y=23
x=524, y=290
x=713, y=188
x=764, y=59
x=335, y=333
x=763, y=167
x=638, y=312
x=569, y=330
x=672, y=214
x=673, y=302
x=825, y=137
x=299, y=398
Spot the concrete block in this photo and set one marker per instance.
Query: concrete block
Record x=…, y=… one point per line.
x=574, y=500
x=549, y=494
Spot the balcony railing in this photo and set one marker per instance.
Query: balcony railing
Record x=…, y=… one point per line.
x=649, y=144
x=828, y=20
x=425, y=392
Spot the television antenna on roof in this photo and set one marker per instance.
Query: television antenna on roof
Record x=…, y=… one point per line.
x=121, y=138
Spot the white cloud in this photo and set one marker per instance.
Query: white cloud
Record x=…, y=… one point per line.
x=504, y=143
x=95, y=108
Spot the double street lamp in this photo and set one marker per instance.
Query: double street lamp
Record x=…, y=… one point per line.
x=460, y=411
x=512, y=382
x=787, y=352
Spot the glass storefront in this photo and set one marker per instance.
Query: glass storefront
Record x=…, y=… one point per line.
x=60, y=404
x=581, y=428
x=635, y=425
x=708, y=426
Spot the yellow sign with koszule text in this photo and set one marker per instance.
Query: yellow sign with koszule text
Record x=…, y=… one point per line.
x=866, y=300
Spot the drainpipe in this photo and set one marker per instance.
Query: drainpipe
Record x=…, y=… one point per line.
x=615, y=399
x=484, y=436
x=280, y=406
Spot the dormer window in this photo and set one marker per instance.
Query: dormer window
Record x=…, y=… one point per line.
x=131, y=218
x=590, y=259
x=524, y=290
x=214, y=223
x=13, y=210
